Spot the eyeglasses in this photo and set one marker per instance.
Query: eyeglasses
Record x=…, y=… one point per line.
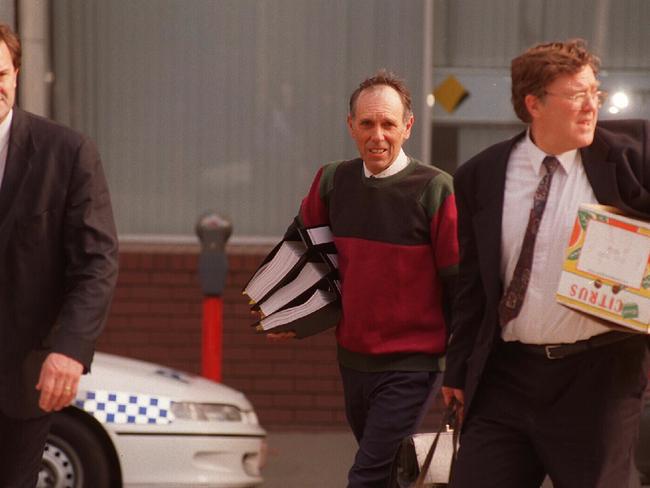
x=579, y=99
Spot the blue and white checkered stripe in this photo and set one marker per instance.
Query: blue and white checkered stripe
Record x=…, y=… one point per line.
x=125, y=408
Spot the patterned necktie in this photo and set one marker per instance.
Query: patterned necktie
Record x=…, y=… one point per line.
x=513, y=298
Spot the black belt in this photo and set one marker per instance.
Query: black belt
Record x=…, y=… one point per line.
x=559, y=351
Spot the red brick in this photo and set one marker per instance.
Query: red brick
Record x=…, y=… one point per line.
x=243, y=337
x=316, y=354
x=315, y=385
x=245, y=385
x=261, y=400
x=171, y=308
x=170, y=278
x=323, y=370
x=151, y=292
x=126, y=337
x=314, y=416
x=274, y=416
x=340, y=418
x=145, y=261
x=188, y=262
x=160, y=261
x=132, y=277
x=236, y=353
x=272, y=353
x=188, y=292
x=272, y=384
x=240, y=369
x=129, y=261
x=123, y=307
x=293, y=401
x=151, y=322
x=174, y=338
x=292, y=369
x=330, y=401
x=157, y=317
x=117, y=321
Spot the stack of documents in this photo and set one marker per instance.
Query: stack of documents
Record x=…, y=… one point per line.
x=296, y=288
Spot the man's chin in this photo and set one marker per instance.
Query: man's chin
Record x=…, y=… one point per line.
x=586, y=139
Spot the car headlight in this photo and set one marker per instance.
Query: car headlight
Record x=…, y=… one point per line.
x=206, y=412
x=250, y=417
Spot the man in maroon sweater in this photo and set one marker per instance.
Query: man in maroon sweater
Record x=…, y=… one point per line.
x=394, y=225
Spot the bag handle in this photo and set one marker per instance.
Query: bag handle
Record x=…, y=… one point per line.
x=448, y=418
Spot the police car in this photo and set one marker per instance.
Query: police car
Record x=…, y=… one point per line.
x=137, y=424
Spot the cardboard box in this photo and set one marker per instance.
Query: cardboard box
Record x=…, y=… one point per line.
x=606, y=272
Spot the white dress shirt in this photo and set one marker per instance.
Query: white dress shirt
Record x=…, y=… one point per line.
x=542, y=320
x=401, y=162
x=5, y=127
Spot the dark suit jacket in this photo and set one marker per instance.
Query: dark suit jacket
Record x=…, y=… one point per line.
x=617, y=164
x=58, y=255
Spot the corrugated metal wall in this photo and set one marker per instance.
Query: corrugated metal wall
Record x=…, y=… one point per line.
x=232, y=104
x=489, y=33
x=223, y=104
x=8, y=12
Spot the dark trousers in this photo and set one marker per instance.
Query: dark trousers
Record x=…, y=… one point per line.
x=575, y=419
x=383, y=408
x=21, y=450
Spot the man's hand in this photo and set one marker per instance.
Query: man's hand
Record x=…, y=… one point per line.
x=58, y=381
x=449, y=393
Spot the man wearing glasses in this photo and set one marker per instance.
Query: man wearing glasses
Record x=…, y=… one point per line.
x=544, y=390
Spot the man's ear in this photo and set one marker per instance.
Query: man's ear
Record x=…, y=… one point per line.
x=350, y=120
x=409, y=125
x=533, y=105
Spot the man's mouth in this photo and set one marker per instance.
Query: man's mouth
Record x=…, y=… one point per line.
x=377, y=151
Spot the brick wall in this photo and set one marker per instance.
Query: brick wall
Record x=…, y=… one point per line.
x=156, y=316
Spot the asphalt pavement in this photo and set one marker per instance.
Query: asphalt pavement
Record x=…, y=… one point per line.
x=308, y=460
x=315, y=460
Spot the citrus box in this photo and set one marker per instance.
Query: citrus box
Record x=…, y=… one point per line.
x=606, y=271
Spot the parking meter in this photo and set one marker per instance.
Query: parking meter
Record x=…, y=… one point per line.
x=213, y=232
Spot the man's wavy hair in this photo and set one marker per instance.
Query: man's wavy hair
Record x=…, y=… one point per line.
x=387, y=78
x=532, y=71
x=9, y=37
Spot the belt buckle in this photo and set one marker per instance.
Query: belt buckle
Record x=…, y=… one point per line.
x=549, y=351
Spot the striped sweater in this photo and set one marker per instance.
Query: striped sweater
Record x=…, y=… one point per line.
x=396, y=240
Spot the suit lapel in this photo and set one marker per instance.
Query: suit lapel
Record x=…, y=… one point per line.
x=601, y=173
x=613, y=179
x=18, y=166
x=487, y=220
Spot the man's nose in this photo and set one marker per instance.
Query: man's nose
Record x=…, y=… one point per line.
x=378, y=133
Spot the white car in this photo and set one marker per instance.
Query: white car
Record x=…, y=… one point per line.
x=138, y=424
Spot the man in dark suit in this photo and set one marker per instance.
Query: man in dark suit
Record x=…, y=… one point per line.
x=544, y=389
x=58, y=267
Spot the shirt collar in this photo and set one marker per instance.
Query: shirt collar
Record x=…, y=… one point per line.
x=5, y=127
x=536, y=156
x=401, y=161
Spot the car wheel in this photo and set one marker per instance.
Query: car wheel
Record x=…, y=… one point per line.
x=73, y=457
